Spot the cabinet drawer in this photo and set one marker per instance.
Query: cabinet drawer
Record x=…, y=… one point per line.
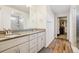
x=22, y=39
x=23, y=48
x=12, y=50
x=39, y=34
x=33, y=42
x=11, y=43
x=33, y=36
x=7, y=44
x=39, y=39
x=33, y=50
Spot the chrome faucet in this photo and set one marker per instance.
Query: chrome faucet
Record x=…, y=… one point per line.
x=7, y=31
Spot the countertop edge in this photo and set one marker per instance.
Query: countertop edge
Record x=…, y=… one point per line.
x=9, y=38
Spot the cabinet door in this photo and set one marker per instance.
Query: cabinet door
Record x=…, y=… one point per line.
x=24, y=48
x=42, y=41
x=34, y=49
x=39, y=44
x=33, y=45
x=12, y=50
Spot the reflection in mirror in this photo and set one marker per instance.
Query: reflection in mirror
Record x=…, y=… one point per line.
x=16, y=22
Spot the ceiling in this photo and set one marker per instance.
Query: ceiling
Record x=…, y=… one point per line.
x=60, y=8
x=23, y=8
x=56, y=8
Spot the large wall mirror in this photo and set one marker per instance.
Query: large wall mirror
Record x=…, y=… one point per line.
x=17, y=22
x=13, y=18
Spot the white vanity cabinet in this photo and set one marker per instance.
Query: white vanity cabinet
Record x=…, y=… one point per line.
x=24, y=44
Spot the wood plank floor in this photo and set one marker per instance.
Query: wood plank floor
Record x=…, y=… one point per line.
x=60, y=45
x=62, y=36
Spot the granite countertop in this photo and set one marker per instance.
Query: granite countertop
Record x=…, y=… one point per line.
x=18, y=34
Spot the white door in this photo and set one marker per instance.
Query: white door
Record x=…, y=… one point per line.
x=39, y=43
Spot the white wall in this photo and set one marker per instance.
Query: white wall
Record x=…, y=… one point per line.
x=50, y=26
x=37, y=17
x=72, y=20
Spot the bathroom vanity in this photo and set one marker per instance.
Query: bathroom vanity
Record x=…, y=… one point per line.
x=23, y=42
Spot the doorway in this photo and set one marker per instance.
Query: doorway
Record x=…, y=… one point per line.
x=62, y=27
